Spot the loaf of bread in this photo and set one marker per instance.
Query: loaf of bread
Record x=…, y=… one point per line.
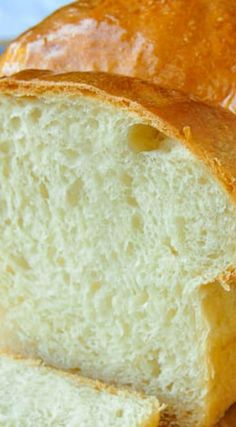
x=187, y=46
x=118, y=230
x=34, y=395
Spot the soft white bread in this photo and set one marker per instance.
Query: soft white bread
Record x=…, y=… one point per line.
x=118, y=230
x=33, y=395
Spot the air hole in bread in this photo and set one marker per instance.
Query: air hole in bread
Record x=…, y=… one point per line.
x=137, y=222
x=5, y=167
x=202, y=180
x=73, y=192
x=4, y=148
x=144, y=138
x=130, y=248
x=155, y=368
x=132, y=201
x=35, y=115
x=20, y=222
x=66, y=277
x=71, y=155
x=95, y=287
x=61, y=261
x=43, y=191
x=170, y=387
x=119, y=413
x=126, y=179
x=15, y=122
x=20, y=261
x=170, y=314
x=10, y=270
x=92, y=124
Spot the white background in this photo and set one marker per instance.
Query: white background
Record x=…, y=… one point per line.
x=17, y=15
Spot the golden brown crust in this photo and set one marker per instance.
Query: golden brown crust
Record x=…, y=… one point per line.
x=229, y=419
x=154, y=418
x=210, y=133
x=226, y=279
x=190, y=47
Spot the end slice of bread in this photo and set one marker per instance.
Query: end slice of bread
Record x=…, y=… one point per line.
x=32, y=394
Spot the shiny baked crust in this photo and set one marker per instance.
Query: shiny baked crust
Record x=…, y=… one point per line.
x=186, y=46
x=209, y=132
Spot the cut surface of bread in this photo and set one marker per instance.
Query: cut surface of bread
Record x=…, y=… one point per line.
x=186, y=47
x=118, y=230
x=34, y=395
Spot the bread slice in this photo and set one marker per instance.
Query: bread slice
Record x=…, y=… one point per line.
x=32, y=394
x=118, y=230
x=190, y=48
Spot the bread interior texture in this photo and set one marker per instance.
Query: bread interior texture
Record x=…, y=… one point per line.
x=109, y=230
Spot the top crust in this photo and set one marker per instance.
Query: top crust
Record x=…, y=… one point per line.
x=210, y=133
x=190, y=48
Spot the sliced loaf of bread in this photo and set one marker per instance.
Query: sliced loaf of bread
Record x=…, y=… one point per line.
x=33, y=395
x=118, y=230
